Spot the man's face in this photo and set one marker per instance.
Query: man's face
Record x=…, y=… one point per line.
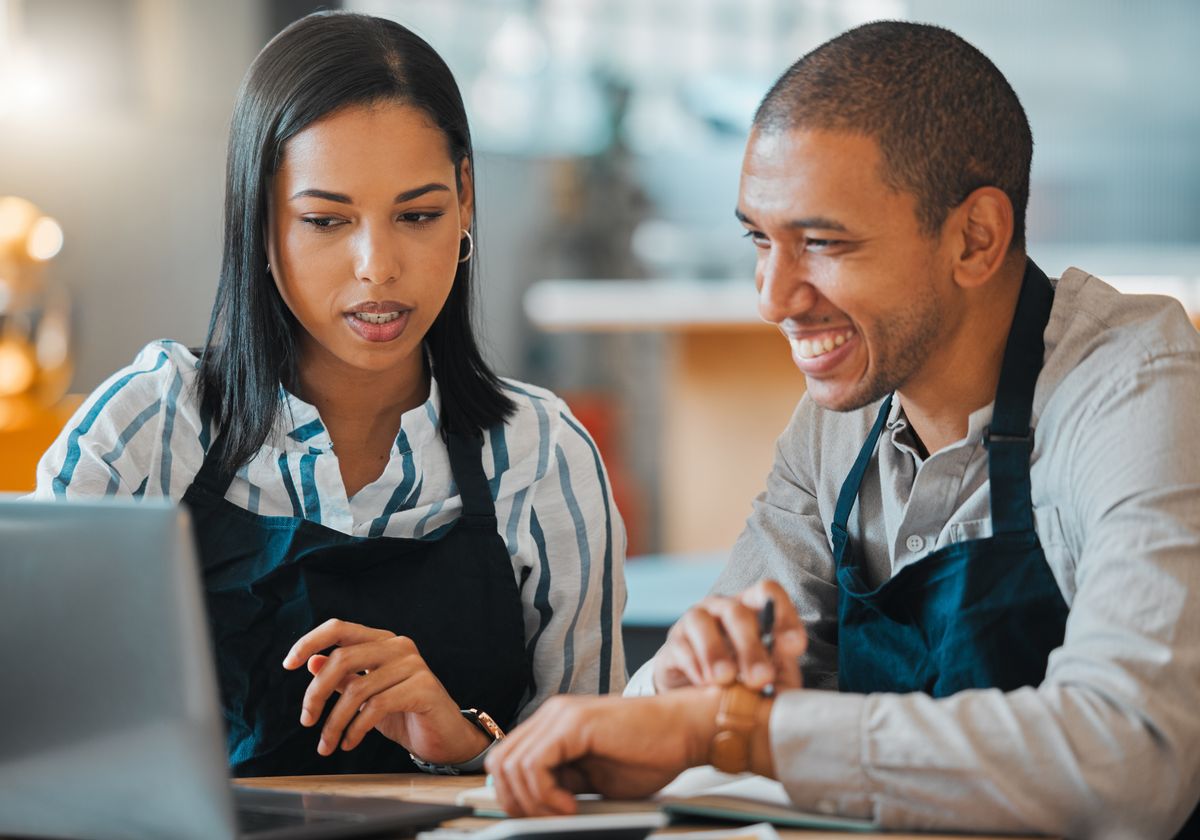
x=844, y=269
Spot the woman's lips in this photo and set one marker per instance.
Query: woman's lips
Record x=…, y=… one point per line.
x=377, y=324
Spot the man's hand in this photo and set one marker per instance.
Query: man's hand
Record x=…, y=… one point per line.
x=717, y=641
x=384, y=684
x=625, y=748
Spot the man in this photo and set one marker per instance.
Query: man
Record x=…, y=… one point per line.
x=983, y=519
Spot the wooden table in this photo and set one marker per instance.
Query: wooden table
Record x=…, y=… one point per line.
x=419, y=786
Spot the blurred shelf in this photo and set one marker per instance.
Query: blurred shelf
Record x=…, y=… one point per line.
x=643, y=305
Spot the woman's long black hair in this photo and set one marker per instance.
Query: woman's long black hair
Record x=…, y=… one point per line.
x=317, y=65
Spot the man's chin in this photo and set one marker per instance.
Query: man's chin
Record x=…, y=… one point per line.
x=839, y=397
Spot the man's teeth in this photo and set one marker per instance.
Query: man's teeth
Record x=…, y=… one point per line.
x=381, y=318
x=812, y=348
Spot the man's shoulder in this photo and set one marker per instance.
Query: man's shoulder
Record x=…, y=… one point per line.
x=1099, y=337
x=1091, y=316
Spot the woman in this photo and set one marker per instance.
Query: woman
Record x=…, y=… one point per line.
x=397, y=546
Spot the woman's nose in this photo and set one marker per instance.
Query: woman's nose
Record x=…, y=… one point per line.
x=377, y=256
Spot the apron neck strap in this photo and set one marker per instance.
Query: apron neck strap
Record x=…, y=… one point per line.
x=466, y=462
x=1009, y=438
x=849, y=493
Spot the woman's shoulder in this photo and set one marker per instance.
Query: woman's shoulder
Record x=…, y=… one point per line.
x=117, y=436
x=544, y=422
x=539, y=411
x=162, y=372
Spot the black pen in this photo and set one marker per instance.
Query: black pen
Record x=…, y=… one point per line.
x=766, y=634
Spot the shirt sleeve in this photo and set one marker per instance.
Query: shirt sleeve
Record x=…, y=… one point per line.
x=1109, y=744
x=577, y=581
x=128, y=436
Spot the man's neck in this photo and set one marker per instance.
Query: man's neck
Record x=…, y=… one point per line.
x=961, y=377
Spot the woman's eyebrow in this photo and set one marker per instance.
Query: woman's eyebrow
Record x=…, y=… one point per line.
x=342, y=198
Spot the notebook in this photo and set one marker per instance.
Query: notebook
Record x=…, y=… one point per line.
x=109, y=692
x=700, y=792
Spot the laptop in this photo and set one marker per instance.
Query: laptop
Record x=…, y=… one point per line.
x=109, y=718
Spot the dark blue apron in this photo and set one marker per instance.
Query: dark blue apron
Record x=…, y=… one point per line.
x=978, y=614
x=270, y=579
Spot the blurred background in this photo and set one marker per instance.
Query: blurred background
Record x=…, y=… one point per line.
x=609, y=137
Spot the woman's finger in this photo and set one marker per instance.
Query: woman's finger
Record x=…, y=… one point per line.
x=364, y=689
x=337, y=674
x=331, y=633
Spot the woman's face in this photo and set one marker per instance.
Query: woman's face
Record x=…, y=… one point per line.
x=364, y=223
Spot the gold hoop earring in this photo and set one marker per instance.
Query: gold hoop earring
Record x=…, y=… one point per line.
x=470, y=246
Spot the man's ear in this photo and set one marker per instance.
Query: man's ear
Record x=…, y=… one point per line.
x=466, y=194
x=982, y=230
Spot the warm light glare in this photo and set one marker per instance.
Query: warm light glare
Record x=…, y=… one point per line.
x=16, y=217
x=45, y=239
x=17, y=367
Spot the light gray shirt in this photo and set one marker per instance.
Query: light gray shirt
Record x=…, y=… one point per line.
x=1109, y=744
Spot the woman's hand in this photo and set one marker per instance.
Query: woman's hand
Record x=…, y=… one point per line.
x=384, y=683
x=717, y=641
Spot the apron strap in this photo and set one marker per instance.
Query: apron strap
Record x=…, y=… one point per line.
x=1009, y=439
x=466, y=462
x=849, y=493
x=210, y=476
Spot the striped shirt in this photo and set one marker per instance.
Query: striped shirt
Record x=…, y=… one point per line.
x=141, y=433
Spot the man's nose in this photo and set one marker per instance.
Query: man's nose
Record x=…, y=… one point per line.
x=377, y=255
x=784, y=290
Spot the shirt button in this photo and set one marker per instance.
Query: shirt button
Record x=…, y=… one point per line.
x=914, y=542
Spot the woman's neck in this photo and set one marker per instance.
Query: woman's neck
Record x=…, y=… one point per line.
x=361, y=406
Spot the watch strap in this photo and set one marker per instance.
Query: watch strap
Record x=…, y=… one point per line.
x=737, y=717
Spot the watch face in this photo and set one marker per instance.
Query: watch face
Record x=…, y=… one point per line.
x=484, y=721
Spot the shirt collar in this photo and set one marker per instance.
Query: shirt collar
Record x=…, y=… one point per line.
x=898, y=426
x=300, y=425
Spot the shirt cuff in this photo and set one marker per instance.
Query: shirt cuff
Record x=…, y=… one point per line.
x=641, y=684
x=816, y=743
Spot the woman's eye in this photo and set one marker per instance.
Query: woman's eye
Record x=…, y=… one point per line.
x=321, y=222
x=419, y=218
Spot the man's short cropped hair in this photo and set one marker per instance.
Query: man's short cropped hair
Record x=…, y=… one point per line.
x=946, y=120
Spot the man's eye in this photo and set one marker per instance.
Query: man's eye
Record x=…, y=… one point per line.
x=818, y=245
x=758, y=238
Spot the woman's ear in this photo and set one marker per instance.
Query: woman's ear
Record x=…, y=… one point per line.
x=466, y=194
x=984, y=223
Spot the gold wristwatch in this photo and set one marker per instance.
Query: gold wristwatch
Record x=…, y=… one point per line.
x=737, y=718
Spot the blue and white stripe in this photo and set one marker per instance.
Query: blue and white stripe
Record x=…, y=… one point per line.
x=141, y=433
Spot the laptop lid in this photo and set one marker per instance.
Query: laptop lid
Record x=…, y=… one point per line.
x=109, y=699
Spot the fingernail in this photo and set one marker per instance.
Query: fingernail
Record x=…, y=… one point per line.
x=305, y=717
x=761, y=674
x=323, y=747
x=724, y=672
